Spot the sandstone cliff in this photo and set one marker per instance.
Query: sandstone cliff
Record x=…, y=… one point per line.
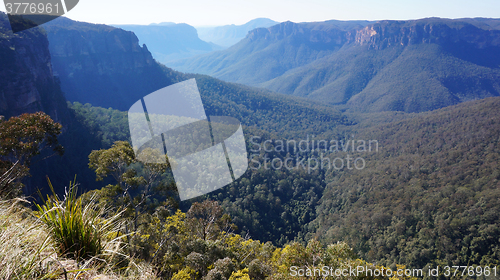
x=26, y=80
x=385, y=34
x=102, y=65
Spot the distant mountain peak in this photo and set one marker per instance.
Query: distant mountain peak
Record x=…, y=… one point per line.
x=170, y=41
x=229, y=35
x=163, y=24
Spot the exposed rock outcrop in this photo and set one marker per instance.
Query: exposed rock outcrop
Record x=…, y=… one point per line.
x=385, y=34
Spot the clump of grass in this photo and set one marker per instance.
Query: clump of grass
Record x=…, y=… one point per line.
x=39, y=245
x=81, y=231
x=26, y=250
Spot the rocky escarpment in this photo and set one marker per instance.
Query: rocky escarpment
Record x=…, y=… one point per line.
x=118, y=50
x=102, y=65
x=329, y=34
x=27, y=85
x=385, y=34
x=26, y=81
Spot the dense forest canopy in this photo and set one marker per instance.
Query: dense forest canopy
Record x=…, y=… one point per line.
x=424, y=159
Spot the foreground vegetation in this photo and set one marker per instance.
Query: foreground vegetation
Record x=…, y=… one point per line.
x=428, y=197
x=74, y=238
x=126, y=229
x=30, y=248
x=431, y=200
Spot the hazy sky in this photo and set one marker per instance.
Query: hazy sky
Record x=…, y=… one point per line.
x=221, y=12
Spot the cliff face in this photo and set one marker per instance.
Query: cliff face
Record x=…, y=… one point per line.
x=102, y=65
x=330, y=34
x=98, y=48
x=26, y=81
x=385, y=34
x=27, y=85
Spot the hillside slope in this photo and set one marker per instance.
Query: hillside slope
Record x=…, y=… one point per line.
x=429, y=196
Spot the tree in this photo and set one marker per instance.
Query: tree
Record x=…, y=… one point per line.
x=207, y=221
x=223, y=268
x=115, y=161
x=136, y=181
x=152, y=172
x=22, y=138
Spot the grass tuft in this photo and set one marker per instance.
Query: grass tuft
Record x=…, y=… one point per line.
x=64, y=239
x=26, y=250
x=81, y=232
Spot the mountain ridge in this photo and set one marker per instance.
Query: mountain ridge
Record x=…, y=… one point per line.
x=306, y=59
x=229, y=35
x=95, y=62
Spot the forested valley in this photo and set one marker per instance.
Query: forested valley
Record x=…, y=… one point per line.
x=386, y=191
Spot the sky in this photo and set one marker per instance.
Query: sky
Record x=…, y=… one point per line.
x=222, y=12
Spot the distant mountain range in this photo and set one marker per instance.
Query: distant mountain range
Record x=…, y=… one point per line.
x=229, y=35
x=106, y=67
x=411, y=66
x=169, y=41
